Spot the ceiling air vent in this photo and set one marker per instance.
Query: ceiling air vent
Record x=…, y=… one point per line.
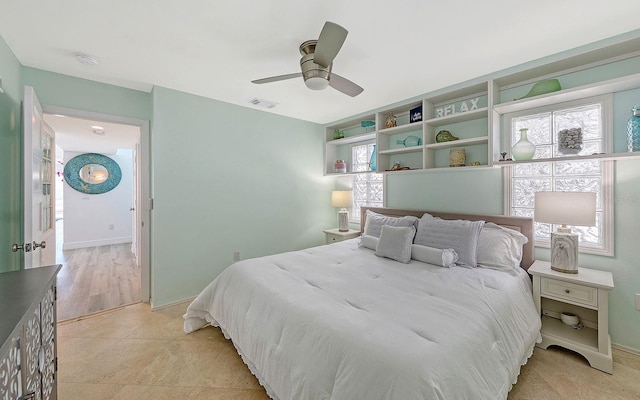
x=263, y=103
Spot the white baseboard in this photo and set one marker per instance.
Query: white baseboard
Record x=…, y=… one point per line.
x=175, y=303
x=625, y=348
x=95, y=243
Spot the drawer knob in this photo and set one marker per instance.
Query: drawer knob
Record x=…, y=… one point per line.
x=567, y=291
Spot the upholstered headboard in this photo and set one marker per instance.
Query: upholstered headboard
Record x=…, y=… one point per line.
x=520, y=224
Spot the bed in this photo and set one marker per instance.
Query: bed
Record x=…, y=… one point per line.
x=341, y=321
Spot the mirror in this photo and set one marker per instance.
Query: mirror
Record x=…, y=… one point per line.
x=92, y=173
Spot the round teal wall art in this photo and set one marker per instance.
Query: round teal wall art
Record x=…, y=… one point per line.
x=79, y=165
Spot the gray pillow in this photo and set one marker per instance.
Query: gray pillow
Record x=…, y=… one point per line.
x=395, y=243
x=375, y=221
x=459, y=235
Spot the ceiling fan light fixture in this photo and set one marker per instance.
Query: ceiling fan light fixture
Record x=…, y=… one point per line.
x=316, y=83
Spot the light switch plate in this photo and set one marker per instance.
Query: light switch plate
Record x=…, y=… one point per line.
x=638, y=301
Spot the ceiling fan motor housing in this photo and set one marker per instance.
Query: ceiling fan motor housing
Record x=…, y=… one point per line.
x=316, y=77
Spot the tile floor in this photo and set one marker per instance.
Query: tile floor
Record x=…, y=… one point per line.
x=133, y=353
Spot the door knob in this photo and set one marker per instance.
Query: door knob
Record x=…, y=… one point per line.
x=42, y=244
x=26, y=247
x=131, y=209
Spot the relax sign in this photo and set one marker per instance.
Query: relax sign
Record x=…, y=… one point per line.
x=455, y=108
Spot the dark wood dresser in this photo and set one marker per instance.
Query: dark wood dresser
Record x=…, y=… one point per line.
x=28, y=356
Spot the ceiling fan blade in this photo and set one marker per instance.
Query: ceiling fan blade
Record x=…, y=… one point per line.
x=277, y=78
x=329, y=43
x=344, y=85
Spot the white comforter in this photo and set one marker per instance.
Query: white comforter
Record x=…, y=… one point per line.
x=337, y=322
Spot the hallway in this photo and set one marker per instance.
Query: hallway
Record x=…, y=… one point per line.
x=95, y=279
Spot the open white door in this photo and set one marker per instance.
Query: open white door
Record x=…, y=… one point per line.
x=39, y=163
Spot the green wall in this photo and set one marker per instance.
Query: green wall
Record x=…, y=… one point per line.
x=10, y=160
x=229, y=178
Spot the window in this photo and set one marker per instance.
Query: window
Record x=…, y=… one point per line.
x=547, y=127
x=367, y=187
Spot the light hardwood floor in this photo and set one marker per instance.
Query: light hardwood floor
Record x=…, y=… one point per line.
x=133, y=353
x=95, y=279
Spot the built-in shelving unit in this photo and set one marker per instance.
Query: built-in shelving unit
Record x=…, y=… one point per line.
x=474, y=114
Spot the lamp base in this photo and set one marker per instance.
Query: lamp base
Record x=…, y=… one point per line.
x=564, y=252
x=343, y=220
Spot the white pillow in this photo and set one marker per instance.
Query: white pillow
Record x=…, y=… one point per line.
x=395, y=243
x=442, y=257
x=375, y=221
x=500, y=248
x=459, y=235
x=370, y=242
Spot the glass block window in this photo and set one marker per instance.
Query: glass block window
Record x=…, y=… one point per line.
x=368, y=186
x=565, y=130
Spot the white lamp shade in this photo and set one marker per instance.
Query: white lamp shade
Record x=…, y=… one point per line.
x=566, y=208
x=342, y=198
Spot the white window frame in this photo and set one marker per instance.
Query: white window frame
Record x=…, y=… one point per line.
x=368, y=174
x=607, y=169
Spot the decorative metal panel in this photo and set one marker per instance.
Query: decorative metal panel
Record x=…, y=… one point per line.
x=10, y=378
x=31, y=353
x=48, y=307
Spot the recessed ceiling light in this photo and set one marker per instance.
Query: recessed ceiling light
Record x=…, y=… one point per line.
x=96, y=127
x=87, y=59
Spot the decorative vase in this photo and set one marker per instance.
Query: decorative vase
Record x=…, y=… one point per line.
x=633, y=130
x=524, y=149
x=410, y=141
x=372, y=161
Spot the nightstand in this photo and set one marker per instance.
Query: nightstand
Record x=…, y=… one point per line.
x=585, y=294
x=334, y=235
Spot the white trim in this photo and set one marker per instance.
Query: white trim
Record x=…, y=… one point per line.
x=144, y=198
x=625, y=348
x=175, y=303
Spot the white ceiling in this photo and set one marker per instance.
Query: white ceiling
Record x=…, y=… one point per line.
x=395, y=50
x=75, y=134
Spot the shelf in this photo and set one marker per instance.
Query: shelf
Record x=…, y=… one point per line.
x=610, y=86
x=458, y=117
x=585, y=337
x=401, y=129
x=458, y=143
x=599, y=157
x=401, y=150
x=352, y=139
x=350, y=173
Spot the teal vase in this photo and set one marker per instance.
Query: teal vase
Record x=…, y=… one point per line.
x=410, y=141
x=633, y=130
x=372, y=161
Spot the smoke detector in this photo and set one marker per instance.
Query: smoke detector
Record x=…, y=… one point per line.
x=87, y=59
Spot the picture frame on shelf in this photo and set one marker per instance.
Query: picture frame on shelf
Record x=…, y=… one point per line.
x=415, y=114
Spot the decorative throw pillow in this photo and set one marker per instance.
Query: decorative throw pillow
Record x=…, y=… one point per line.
x=375, y=221
x=459, y=235
x=395, y=243
x=500, y=248
x=442, y=257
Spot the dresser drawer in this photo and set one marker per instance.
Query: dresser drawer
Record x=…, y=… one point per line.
x=569, y=291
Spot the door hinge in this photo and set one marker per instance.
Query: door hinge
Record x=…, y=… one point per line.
x=56, y=364
x=151, y=204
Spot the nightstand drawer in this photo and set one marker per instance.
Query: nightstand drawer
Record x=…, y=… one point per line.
x=569, y=291
x=334, y=238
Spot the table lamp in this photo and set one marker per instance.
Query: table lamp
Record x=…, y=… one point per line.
x=343, y=199
x=565, y=208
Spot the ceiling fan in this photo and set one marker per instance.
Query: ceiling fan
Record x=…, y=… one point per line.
x=317, y=60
